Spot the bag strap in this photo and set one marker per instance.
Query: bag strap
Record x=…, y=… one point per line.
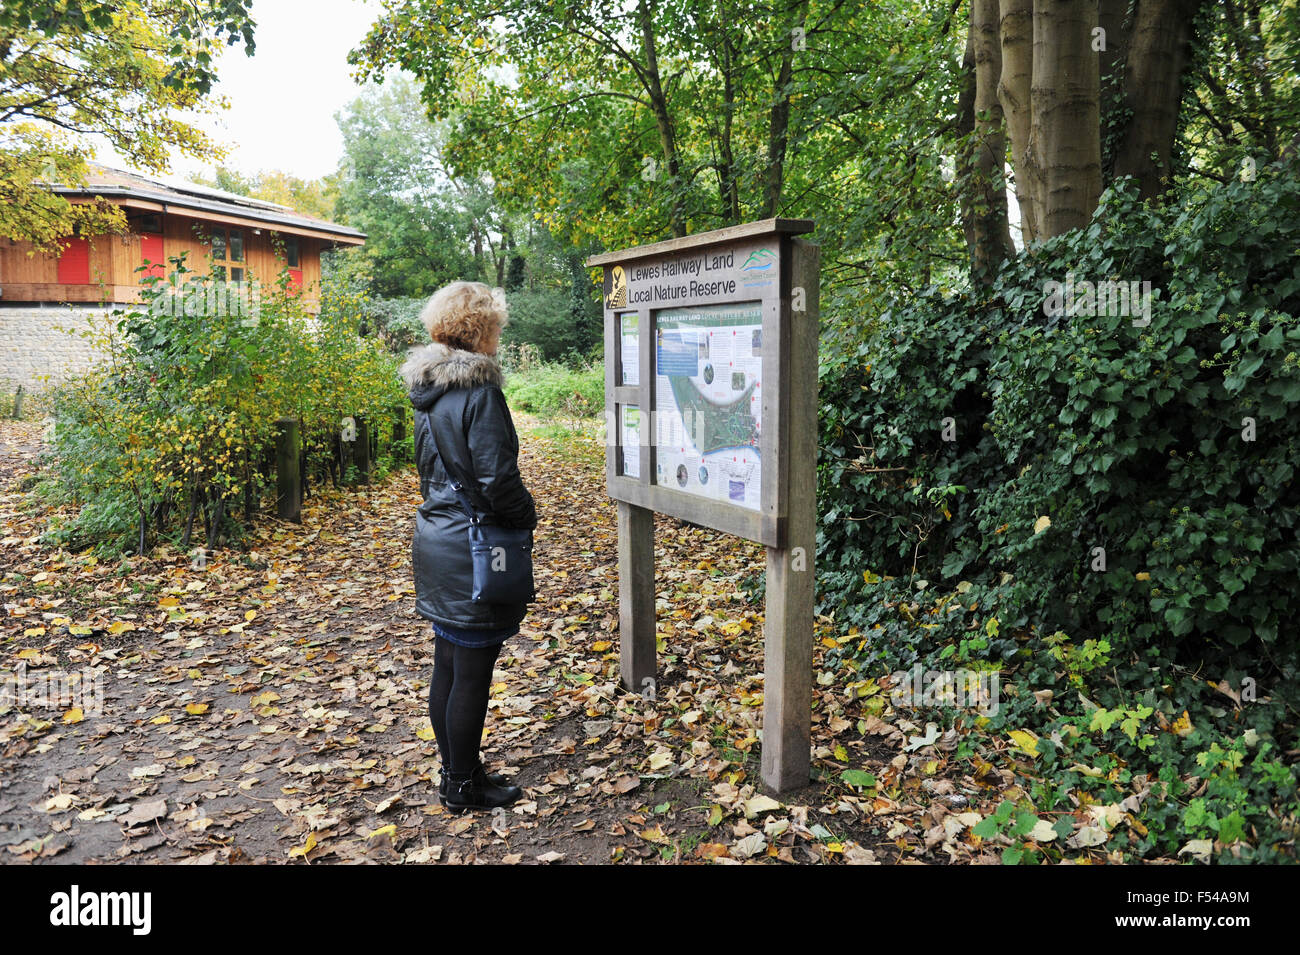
x=465, y=500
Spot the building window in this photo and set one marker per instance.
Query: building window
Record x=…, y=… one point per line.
x=145, y=222
x=228, y=245
x=291, y=251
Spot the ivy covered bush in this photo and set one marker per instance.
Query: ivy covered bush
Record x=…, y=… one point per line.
x=1037, y=489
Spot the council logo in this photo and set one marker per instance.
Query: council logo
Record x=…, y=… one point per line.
x=616, y=294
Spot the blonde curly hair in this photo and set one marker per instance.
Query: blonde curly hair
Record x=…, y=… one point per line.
x=465, y=315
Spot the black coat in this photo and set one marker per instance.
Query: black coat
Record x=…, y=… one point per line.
x=461, y=391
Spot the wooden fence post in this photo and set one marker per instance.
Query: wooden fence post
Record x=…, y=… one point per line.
x=288, y=483
x=361, y=451
x=398, y=450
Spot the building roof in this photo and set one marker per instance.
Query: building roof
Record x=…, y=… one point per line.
x=134, y=190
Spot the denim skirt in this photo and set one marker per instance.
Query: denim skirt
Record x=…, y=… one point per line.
x=473, y=638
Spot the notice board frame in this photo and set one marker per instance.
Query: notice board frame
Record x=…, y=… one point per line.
x=786, y=521
x=768, y=524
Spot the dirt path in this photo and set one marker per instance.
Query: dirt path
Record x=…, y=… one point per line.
x=270, y=705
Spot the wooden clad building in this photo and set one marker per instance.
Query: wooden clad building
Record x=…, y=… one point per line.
x=47, y=301
x=248, y=239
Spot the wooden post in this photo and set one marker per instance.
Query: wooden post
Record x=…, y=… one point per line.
x=18, y=403
x=303, y=471
x=636, y=598
x=399, y=433
x=288, y=486
x=788, y=621
x=361, y=451
x=250, y=489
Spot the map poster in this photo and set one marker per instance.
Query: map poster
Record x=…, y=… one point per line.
x=628, y=355
x=630, y=440
x=708, y=370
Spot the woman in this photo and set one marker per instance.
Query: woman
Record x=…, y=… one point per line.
x=455, y=388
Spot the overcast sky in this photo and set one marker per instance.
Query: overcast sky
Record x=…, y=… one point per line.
x=283, y=98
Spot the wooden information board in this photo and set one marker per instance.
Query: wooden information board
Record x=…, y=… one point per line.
x=711, y=416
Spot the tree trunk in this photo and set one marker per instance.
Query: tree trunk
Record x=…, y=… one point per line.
x=1016, y=25
x=659, y=105
x=1158, y=53
x=779, y=122
x=988, y=234
x=1065, y=108
x=218, y=514
x=728, y=179
x=189, y=519
x=478, y=246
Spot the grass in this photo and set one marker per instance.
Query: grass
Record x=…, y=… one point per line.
x=557, y=391
x=579, y=441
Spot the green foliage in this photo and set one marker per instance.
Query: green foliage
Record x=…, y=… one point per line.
x=1131, y=439
x=397, y=320
x=395, y=190
x=552, y=390
x=870, y=92
x=1077, y=432
x=545, y=319
x=1079, y=661
x=180, y=419
x=1241, y=104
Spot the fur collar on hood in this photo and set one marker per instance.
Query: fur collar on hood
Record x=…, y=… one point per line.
x=435, y=368
x=436, y=364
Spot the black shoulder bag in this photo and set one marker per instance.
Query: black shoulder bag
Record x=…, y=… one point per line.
x=502, y=556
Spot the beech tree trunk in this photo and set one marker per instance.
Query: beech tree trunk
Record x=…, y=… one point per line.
x=1077, y=82
x=988, y=234
x=1016, y=32
x=1065, y=109
x=1158, y=51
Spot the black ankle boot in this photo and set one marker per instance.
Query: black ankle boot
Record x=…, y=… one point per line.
x=477, y=792
x=496, y=779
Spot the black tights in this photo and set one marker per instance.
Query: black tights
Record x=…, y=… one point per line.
x=458, y=698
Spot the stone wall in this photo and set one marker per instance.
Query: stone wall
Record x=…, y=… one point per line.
x=41, y=345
